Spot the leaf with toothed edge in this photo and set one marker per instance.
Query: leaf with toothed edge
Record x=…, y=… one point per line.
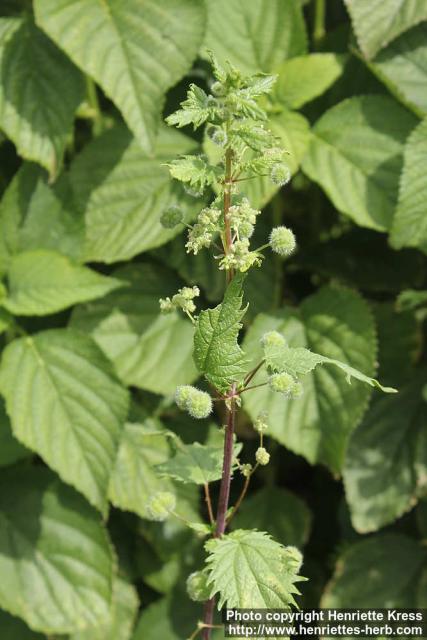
x=248, y=569
x=135, y=50
x=66, y=404
x=217, y=353
x=56, y=560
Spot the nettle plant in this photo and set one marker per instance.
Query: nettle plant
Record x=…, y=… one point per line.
x=244, y=568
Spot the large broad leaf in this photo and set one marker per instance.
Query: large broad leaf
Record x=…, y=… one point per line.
x=304, y=78
x=336, y=323
x=56, y=560
x=217, y=353
x=40, y=91
x=377, y=22
x=257, y=35
x=123, y=192
x=381, y=571
x=65, y=403
x=134, y=50
x=34, y=215
x=250, y=570
x=43, y=282
x=279, y=512
x=119, y=623
x=356, y=156
x=410, y=222
x=386, y=463
x=10, y=449
x=196, y=463
x=134, y=479
x=148, y=350
x=402, y=66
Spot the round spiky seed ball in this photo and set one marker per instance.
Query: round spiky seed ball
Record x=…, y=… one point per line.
x=160, y=505
x=282, y=383
x=182, y=393
x=282, y=241
x=199, y=404
x=197, y=587
x=294, y=557
x=296, y=390
x=262, y=456
x=273, y=339
x=171, y=217
x=280, y=173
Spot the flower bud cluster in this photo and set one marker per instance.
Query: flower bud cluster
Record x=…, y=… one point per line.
x=262, y=456
x=197, y=403
x=202, y=233
x=282, y=241
x=161, y=505
x=260, y=423
x=240, y=257
x=242, y=219
x=287, y=385
x=184, y=300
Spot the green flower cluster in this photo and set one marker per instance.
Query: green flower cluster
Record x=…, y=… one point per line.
x=184, y=300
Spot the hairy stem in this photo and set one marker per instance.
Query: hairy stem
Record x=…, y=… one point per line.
x=224, y=494
x=227, y=204
x=209, y=503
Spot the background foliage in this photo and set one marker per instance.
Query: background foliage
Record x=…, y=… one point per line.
x=89, y=366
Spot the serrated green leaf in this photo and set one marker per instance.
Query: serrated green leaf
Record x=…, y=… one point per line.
x=246, y=33
x=119, y=624
x=135, y=51
x=304, y=78
x=12, y=628
x=148, y=350
x=250, y=570
x=278, y=512
x=402, y=67
x=10, y=449
x=34, y=215
x=378, y=22
x=55, y=557
x=196, y=463
x=123, y=192
x=298, y=361
x=65, y=403
x=194, y=170
x=380, y=571
x=43, y=282
x=355, y=154
x=410, y=222
x=39, y=93
x=338, y=323
x=134, y=478
x=386, y=463
x=217, y=353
